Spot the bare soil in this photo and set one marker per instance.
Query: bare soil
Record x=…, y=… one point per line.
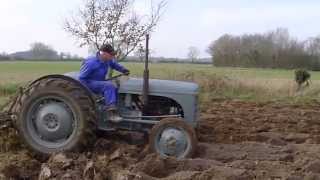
x=238, y=140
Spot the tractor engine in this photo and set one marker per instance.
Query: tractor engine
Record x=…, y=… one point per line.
x=132, y=105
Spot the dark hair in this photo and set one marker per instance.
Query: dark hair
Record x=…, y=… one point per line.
x=108, y=48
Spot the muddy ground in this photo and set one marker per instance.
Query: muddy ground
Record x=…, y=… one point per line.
x=237, y=140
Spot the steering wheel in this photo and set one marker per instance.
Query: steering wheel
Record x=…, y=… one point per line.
x=115, y=77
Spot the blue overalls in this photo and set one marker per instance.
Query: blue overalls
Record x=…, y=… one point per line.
x=93, y=73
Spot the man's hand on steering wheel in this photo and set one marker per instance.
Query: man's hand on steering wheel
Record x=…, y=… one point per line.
x=126, y=72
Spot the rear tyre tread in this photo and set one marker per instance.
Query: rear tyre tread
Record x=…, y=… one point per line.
x=73, y=90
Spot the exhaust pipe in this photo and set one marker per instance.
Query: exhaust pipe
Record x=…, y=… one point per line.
x=146, y=77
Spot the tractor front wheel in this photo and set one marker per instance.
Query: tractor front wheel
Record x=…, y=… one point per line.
x=173, y=137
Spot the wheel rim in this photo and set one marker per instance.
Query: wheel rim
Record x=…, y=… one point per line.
x=172, y=141
x=51, y=122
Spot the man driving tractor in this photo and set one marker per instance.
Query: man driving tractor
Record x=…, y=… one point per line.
x=93, y=72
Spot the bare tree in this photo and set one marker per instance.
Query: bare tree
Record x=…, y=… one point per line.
x=225, y=50
x=193, y=53
x=114, y=22
x=4, y=56
x=312, y=46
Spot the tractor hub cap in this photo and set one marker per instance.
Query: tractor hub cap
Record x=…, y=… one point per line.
x=51, y=121
x=54, y=121
x=173, y=142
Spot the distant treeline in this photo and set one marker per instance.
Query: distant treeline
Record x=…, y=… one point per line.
x=128, y=59
x=4, y=57
x=169, y=60
x=41, y=52
x=38, y=52
x=275, y=49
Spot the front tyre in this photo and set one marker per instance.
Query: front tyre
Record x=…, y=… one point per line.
x=173, y=137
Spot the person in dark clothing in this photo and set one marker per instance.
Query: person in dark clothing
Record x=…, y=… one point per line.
x=93, y=72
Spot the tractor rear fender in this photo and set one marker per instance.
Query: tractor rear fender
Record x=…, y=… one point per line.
x=67, y=78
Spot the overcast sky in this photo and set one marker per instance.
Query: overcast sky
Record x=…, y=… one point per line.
x=185, y=22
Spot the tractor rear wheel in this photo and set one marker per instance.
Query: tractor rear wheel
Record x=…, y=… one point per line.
x=173, y=137
x=55, y=115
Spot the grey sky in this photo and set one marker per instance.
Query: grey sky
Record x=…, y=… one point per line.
x=185, y=22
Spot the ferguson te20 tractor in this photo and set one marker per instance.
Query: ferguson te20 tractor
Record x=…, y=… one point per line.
x=57, y=113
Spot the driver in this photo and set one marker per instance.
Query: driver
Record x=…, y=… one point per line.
x=93, y=72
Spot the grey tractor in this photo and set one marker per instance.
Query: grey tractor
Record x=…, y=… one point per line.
x=57, y=113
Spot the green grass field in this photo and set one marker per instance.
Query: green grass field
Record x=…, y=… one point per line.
x=240, y=83
x=31, y=69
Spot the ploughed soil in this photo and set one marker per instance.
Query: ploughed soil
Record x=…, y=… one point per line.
x=237, y=140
